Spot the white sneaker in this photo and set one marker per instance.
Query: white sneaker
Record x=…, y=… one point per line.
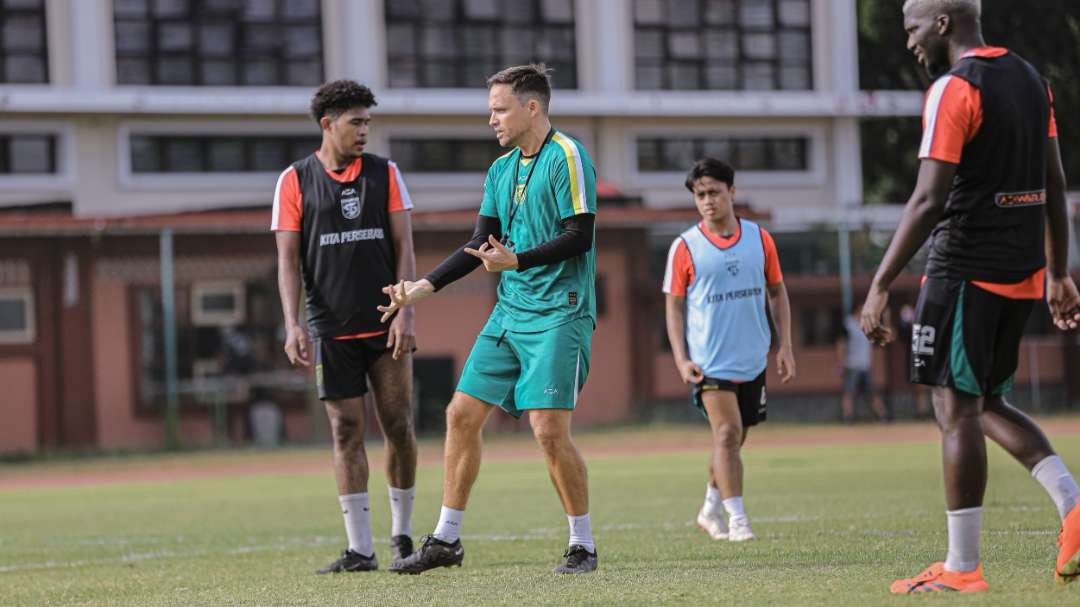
x=712, y=524
x=740, y=530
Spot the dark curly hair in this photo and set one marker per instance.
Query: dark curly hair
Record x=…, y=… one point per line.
x=339, y=96
x=710, y=167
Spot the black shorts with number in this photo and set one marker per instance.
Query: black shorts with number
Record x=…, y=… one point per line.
x=341, y=365
x=749, y=394
x=966, y=337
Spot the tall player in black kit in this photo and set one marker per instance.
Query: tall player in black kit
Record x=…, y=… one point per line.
x=341, y=219
x=991, y=197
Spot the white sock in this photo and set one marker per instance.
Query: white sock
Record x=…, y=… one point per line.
x=581, y=531
x=401, y=502
x=1055, y=478
x=734, y=507
x=964, y=530
x=714, y=503
x=449, y=527
x=354, y=507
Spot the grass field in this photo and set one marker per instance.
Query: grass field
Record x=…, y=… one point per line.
x=836, y=523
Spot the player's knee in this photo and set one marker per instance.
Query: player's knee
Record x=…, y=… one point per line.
x=461, y=418
x=347, y=431
x=550, y=437
x=728, y=436
x=399, y=431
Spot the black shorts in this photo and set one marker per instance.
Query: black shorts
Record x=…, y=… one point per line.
x=966, y=338
x=749, y=394
x=341, y=365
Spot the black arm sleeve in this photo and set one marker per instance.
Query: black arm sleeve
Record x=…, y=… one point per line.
x=577, y=238
x=460, y=263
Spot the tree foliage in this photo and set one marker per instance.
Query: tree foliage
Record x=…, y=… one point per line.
x=1046, y=33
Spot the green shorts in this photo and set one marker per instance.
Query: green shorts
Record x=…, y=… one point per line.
x=520, y=371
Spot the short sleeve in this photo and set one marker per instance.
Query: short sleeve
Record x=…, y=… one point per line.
x=399, y=199
x=773, y=275
x=1053, y=132
x=679, y=272
x=951, y=119
x=573, y=178
x=287, y=204
x=489, y=205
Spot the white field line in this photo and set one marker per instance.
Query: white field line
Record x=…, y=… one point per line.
x=536, y=534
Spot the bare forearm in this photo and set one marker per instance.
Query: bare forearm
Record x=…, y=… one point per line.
x=1057, y=217
x=780, y=307
x=289, y=291
x=675, y=316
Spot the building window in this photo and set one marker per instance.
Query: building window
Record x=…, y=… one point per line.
x=449, y=155
x=16, y=316
x=656, y=154
x=218, y=42
x=217, y=154
x=217, y=304
x=24, y=57
x=459, y=43
x=27, y=154
x=722, y=44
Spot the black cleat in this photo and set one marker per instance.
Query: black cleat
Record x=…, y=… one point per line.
x=400, y=547
x=578, y=559
x=351, y=561
x=433, y=553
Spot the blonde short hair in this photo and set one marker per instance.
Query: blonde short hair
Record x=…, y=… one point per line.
x=971, y=7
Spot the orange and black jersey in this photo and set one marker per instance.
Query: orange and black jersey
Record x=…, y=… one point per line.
x=346, y=250
x=991, y=116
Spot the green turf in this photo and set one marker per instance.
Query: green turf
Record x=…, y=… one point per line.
x=835, y=526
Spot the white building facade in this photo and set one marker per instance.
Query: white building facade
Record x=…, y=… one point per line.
x=158, y=106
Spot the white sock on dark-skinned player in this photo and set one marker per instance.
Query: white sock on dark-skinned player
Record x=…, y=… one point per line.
x=1058, y=482
x=965, y=527
x=401, y=503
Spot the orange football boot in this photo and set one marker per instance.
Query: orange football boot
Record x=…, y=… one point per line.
x=1068, y=560
x=937, y=579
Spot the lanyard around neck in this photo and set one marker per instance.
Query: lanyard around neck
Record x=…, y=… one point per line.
x=515, y=204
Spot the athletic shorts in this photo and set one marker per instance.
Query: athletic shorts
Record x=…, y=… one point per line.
x=521, y=371
x=749, y=394
x=966, y=338
x=341, y=365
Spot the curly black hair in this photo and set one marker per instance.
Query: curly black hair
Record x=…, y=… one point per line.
x=339, y=96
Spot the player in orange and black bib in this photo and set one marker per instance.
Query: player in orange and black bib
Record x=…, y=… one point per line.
x=990, y=185
x=341, y=219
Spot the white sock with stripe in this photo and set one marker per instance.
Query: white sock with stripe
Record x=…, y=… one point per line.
x=354, y=508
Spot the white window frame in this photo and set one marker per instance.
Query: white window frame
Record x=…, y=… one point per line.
x=63, y=180
x=200, y=317
x=28, y=334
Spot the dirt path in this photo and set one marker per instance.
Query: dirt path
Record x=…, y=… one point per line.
x=316, y=460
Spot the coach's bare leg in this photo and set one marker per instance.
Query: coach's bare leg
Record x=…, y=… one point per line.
x=1017, y=433
x=551, y=427
x=391, y=380
x=465, y=417
x=728, y=435
x=963, y=447
x=347, y=432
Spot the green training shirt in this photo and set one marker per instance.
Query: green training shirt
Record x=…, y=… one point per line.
x=562, y=184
